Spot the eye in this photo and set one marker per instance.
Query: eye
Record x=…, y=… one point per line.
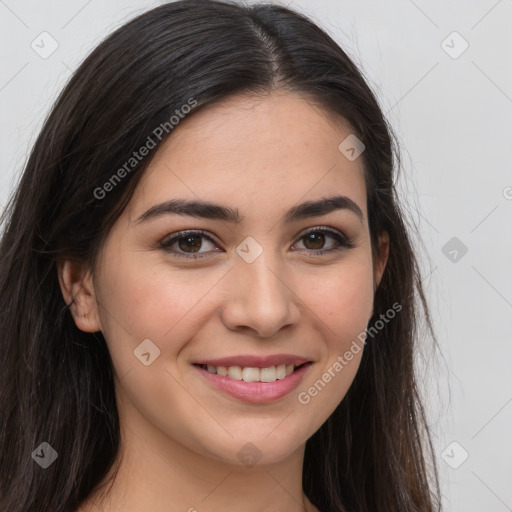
x=189, y=242
x=314, y=239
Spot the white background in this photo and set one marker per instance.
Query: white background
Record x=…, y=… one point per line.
x=453, y=117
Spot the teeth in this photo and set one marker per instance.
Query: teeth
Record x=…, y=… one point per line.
x=268, y=374
x=221, y=370
x=281, y=371
x=235, y=372
x=249, y=374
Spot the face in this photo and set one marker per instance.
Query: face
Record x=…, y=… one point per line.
x=283, y=285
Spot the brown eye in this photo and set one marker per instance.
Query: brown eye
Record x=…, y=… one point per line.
x=192, y=242
x=188, y=244
x=315, y=239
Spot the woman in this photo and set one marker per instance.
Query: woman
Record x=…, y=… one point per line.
x=208, y=290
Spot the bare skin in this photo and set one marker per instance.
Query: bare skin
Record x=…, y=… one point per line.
x=180, y=435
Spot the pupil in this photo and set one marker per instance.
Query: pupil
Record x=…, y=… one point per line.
x=316, y=237
x=189, y=242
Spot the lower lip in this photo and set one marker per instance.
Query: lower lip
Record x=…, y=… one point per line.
x=256, y=392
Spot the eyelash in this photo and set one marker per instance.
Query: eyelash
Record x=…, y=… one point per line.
x=343, y=242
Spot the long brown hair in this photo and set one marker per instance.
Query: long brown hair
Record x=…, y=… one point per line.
x=374, y=453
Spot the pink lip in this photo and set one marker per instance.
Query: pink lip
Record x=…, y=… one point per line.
x=255, y=392
x=255, y=361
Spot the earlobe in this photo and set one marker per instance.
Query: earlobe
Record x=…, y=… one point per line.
x=77, y=289
x=381, y=260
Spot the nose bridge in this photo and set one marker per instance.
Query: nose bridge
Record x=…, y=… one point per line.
x=262, y=277
x=260, y=297
x=260, y=281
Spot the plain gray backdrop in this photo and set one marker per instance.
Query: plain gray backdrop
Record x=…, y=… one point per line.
x=442, y=72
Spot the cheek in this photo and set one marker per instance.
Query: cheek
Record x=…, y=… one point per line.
x=342, y=300
x=140, y=301
x=342, y=306
x=144, y=300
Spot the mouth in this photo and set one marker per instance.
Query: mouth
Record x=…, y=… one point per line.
x=254, y=384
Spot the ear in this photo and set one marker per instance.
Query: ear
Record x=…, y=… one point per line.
x=380, y=261
x=77, y=288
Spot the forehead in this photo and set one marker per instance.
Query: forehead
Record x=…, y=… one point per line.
x=255, y=153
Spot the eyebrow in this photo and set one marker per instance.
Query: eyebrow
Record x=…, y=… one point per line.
x=206, y=210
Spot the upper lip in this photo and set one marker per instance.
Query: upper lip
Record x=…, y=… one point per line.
x=256, y=361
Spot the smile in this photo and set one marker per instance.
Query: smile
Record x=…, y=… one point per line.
x=254, y=384
x=253, y=374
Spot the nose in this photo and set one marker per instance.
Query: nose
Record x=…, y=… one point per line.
x=261, y=298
